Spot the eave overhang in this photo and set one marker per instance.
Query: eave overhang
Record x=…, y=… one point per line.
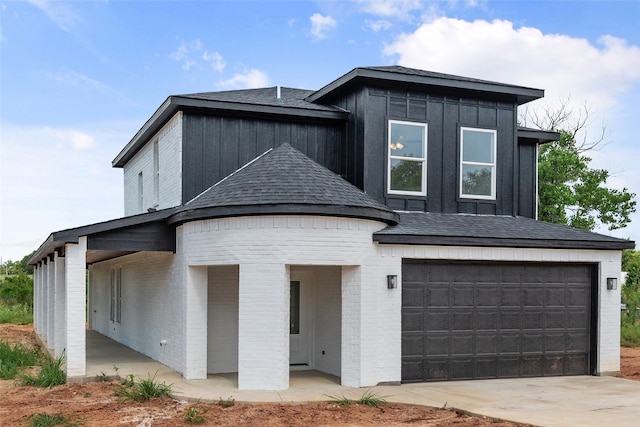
x=361, y=76
x=188, y=215
x=536, y=136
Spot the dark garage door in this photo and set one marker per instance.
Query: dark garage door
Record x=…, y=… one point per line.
x=495, y=320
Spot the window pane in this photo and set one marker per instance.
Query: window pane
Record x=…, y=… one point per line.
x=294, y=309
x=406, y=175
x=407, y=140
x=476, y=180
x=477, y=146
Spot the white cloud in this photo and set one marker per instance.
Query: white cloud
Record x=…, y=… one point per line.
x=69, y=138
x=398, y=9
x=321, y=26
x=251, y=79
x=185, y=52
x=378, y=25
x=563, y=65
x=56, y=178
x=215, y=59
x=59, y=12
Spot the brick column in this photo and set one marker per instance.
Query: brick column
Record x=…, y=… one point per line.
x=75, y=304
x=59, y=316
x=195, y=309
x=263, y=327
x=51, y=303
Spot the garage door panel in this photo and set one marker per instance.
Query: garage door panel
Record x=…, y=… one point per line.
x=553, y=365
x=461, y=320
x=533, y=342
x=436, y=320
x=413, y=295
x=510, y=343
x=486, y=344
x=437, y=296
x=437, y=345
x=413, y=345
x=462, y=344
x=486, y=319
x=495, y=320
x=462, y=368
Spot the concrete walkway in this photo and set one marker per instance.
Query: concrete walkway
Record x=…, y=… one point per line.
x=555, y=401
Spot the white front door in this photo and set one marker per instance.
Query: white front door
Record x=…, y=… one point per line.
x=299, y=325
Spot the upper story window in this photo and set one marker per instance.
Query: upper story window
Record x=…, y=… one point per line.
x=478, y=163
x=407, y=168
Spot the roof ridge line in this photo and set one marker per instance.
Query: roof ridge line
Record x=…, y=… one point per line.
x=230, y=175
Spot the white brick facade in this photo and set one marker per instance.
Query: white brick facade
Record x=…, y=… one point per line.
x=169, y=192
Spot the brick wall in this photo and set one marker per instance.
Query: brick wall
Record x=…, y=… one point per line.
x=170, y=166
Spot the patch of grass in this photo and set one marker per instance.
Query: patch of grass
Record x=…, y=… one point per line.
x=630, y=335
x=193, y=416
x=339, y=400
x=372, y=399
x=51, y=374
x=144, y=390
x=19, y=314
x=12, y=358
x=103, y=378
x=227, y=403
x=47, y=420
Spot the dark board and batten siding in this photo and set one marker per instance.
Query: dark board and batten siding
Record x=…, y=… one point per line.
x=444, y=115
x=216, y=146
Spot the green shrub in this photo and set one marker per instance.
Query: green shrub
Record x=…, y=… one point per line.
x=12, y=358
x=372, y=399
x=630, y=335
x=193, y=416
x=46, y=420
x=51, y=374
x=19, y=314
x=144, y=390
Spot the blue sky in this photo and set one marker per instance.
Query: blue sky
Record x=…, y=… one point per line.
x=79, y=78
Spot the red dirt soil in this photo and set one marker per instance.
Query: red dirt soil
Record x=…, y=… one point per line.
x=95, y=404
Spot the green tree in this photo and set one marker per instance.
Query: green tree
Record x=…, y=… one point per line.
x=17, y=289
x=570, y=191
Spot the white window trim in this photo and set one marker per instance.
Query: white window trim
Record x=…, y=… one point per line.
x=493, y=165
x=422, y=159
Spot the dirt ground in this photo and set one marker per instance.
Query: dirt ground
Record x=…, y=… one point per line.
x=95, y=404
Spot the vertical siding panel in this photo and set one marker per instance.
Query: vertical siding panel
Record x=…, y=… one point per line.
x=375, y=146
x=450, y=168
x=435, y=156
x=507, y=139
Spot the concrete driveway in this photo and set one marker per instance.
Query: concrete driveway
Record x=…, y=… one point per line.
x=556, y=401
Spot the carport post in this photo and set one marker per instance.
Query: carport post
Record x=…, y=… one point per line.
x=75, y=262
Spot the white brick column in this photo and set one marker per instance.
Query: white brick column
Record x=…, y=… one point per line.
x=59, y=316
x=195, y=309
x=51, y=303
x=608, y=358
x=351, y=324
x=44, y=309
x=75, y=304
x=263, y=327
x=36, y=297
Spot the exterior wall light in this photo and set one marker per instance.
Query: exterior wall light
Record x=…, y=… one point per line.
x=392, y=281
x=612, y=283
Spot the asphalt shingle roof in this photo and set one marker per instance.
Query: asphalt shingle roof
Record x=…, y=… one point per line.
x=285, y=177
x=289, y=97
x=489, y=230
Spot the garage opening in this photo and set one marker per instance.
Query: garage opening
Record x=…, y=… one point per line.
x=478, y=320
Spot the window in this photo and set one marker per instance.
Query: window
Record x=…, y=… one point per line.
x=478, y=163
x=140, y=192
x=407, y=158
x=115, y=282
x=156, y=172
x=294, y=309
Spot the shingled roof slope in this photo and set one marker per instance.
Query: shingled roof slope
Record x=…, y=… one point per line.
x=490, y=230
x=284, y=181
x=289, y=97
